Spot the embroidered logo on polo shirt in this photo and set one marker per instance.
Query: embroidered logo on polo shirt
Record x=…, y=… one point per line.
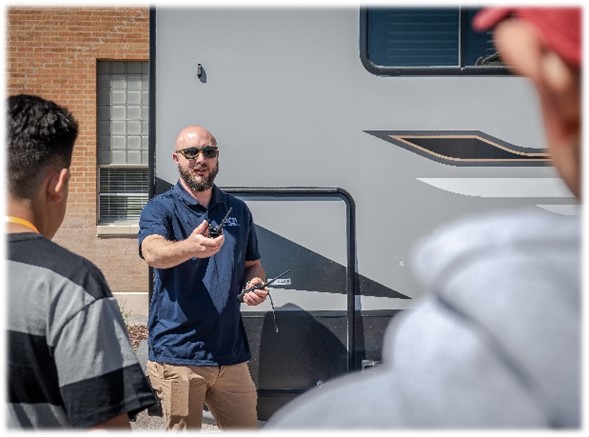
x=231, y=221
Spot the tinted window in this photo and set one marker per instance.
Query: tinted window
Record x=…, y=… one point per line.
x=426, y=41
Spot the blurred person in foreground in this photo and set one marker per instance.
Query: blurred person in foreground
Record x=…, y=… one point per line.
x=70, y=362
x=496, y=342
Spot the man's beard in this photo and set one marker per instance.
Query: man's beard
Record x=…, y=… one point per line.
x=199, y=184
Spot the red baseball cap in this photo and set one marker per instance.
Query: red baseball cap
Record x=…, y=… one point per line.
x=560, y=28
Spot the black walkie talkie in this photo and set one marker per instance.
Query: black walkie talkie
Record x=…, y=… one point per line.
x=215, y=231
x=260, y=286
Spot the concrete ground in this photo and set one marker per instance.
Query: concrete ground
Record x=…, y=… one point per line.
x=145, y=422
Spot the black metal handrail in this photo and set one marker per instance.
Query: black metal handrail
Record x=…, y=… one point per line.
x=351, y=277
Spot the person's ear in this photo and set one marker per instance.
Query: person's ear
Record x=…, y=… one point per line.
x=57, y=185
x=556, y=73
x=562, y=84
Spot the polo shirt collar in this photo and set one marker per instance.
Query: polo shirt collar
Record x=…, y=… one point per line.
x=217, y=197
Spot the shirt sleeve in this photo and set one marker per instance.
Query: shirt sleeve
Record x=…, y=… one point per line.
x=154, y=220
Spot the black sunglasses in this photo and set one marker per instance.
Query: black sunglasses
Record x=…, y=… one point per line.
x=192, y=152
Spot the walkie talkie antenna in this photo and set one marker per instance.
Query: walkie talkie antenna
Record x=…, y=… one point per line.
x=260, y=286
x=264, y=285
x=216, y=231
x=220, y=227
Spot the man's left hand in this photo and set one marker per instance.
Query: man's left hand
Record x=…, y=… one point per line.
x=256, y=296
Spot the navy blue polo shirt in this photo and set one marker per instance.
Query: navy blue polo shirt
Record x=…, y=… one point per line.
x=194, y=316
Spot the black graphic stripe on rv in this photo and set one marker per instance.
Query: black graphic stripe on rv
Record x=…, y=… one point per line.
x=464, y=148
x=310, y=270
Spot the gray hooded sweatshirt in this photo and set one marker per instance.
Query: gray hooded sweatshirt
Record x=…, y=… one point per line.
x=493, y=343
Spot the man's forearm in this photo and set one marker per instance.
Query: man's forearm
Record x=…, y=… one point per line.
x=254, y=269
x=164, y=254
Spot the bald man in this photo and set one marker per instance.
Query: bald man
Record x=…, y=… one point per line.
x=198, y=350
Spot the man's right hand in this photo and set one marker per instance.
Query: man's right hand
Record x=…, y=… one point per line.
x=161, y=253
x=201, y=245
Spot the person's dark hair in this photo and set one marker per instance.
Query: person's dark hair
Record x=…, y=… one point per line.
x=40, y=133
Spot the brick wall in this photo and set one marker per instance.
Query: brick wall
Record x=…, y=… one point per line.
x=53, y=52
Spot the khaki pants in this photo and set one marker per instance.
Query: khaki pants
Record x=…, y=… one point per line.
x=227, y=391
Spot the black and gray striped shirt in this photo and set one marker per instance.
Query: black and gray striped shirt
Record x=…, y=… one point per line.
x=70, y=362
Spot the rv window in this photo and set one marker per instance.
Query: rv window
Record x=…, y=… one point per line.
x=426, y=41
